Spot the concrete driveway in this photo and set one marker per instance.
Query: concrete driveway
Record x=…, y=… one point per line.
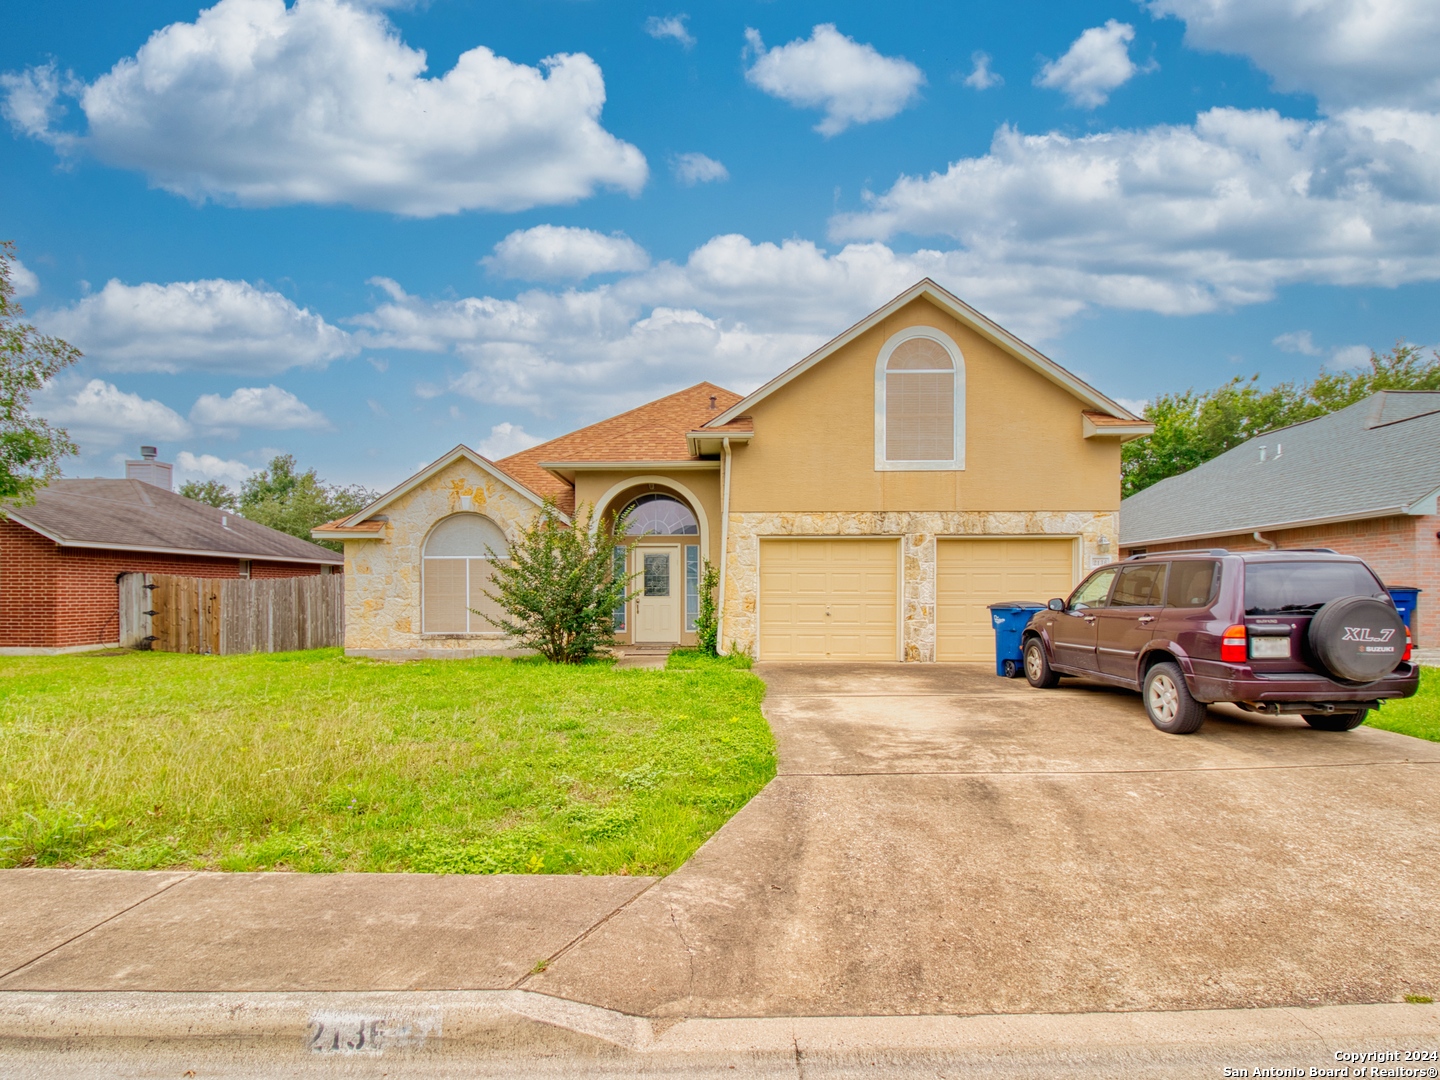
x=942, y=841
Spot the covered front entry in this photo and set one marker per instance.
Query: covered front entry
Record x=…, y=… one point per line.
x=974, y=572
x=829, y=599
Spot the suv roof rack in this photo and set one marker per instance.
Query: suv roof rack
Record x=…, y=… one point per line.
x=1186, y=551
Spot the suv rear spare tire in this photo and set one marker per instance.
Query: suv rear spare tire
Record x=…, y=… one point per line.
x=1358, y=638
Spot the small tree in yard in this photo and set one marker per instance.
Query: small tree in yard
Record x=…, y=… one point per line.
x=707, y=620
x=559, y=590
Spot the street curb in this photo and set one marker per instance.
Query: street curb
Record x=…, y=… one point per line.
x=506, y=1022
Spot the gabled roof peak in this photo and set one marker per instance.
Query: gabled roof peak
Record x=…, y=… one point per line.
x=964, y=313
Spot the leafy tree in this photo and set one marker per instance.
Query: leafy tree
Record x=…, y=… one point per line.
x=559, y=589
x=295, y=502
x=30, y=449
x=707, y=619
x=211, y=493
x=1192, y=427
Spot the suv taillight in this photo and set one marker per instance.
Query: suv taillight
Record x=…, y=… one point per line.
x=1232, y=645
x=1408, y=646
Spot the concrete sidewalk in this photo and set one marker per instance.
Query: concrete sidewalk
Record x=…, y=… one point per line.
x=108, y=930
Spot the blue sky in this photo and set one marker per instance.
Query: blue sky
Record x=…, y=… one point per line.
x=281, y=227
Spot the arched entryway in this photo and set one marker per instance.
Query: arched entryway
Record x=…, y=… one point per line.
x=666, y=528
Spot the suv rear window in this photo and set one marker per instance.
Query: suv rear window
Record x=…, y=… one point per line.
x=1287, y=588
x=1192, y=583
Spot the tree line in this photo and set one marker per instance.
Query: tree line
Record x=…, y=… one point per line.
x=1191, y=427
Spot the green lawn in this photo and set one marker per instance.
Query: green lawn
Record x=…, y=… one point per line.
x=311, y=761
x=1418, y=716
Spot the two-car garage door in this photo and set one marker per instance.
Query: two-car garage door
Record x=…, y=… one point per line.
x=838, y=599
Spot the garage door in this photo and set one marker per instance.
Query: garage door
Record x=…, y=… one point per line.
x=828, y=599
x=974, y=573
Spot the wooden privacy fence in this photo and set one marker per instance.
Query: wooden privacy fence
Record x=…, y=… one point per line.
x=221, y=616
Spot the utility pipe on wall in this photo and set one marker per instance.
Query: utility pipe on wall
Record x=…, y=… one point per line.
x=724, y=542
x=1266, y=540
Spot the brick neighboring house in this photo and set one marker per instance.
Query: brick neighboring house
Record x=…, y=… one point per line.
x=62, y=556
x=1363, y=481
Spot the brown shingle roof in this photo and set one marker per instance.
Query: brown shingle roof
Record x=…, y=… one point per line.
x=130, y=515
x=652, y=432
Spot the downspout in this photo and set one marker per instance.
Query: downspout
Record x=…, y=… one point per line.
x=1265, y=540
x=724, y=541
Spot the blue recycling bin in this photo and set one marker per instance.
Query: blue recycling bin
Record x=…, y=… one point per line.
x=1009, y=621
x=1406, y=599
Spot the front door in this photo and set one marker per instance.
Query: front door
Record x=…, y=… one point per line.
x=657, y=605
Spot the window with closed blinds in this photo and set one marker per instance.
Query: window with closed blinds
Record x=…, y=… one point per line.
x=460, y=556
x=919, y=414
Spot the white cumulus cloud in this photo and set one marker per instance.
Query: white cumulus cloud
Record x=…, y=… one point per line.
x=1097, y=62
x=506, y=439
x=267, y=407
x=1187, y=218
x=262, y=104
x=1296, y=341
x=214, y=325
x=1349, y=357
x=671, y=26
x=560, y=252
x=852, y=82
x=23, y=279
x=981, y=77
x=1345, y=52
x=692, y=169
x=210, y=467
x=98, y=413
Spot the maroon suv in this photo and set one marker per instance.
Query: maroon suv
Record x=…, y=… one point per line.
x=1308, y=632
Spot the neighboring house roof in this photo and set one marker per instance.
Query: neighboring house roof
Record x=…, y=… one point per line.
x=129, y=515
x=964, y=313
x=365, y=524
x=1379, y=457
x=653, y=433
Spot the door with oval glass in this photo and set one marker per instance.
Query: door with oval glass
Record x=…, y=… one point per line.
x=657, y=605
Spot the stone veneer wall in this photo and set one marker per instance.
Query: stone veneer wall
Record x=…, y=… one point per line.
x=382, y=576
x=917, y=531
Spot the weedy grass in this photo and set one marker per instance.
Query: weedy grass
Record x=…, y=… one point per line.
x=316, y=762
x=1419, y=715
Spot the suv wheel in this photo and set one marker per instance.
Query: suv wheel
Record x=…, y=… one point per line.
x=1037, y=666
x=1343, y=721
x=1168, y=702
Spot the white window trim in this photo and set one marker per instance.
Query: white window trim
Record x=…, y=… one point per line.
x=884, y=464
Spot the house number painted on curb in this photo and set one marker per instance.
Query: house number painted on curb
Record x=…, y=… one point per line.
x=356, y=1033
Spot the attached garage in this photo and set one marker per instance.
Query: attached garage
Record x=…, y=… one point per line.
x=829, y=599
x=974, y=572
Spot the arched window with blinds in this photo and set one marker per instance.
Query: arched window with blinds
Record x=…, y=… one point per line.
x=919, y=402
x=460, y=554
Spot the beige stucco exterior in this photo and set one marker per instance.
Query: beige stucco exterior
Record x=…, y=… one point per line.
x=1024, y=449
x=803, y=462
x=810, y=471
x=383, y=575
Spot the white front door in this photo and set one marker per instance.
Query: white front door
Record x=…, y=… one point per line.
x=660, y=588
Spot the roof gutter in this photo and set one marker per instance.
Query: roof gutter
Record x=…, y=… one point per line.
x=208, y=553
x=1241, y=530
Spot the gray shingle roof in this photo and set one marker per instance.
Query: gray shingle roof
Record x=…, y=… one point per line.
x=1379, y=456
x=130, y=515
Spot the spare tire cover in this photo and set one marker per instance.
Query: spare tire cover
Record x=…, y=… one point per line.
x=1358, y=638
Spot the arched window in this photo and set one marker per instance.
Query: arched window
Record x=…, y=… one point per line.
x=660, y=515
x=919, y=402
x=460, y=554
